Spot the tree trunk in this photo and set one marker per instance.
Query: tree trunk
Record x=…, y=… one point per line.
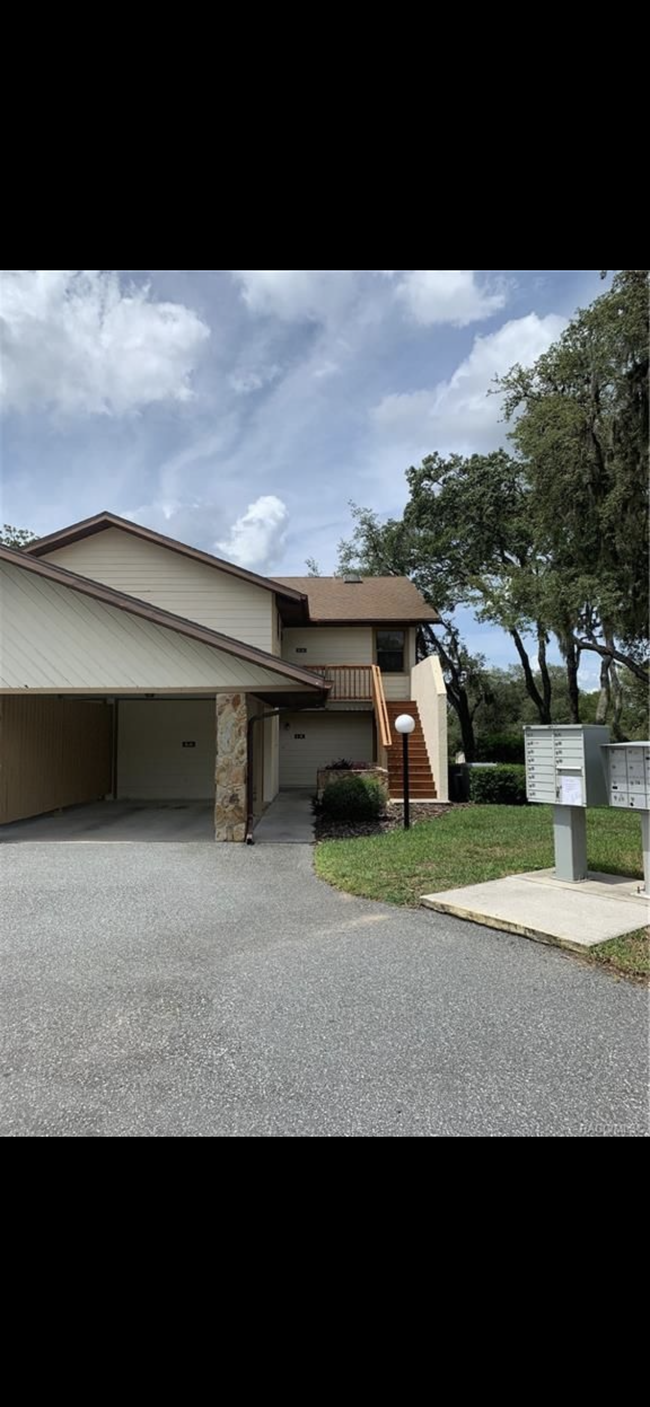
x=456, y=693
x=460, y=703
x=605, y=697
x=547, y=687
x=617, y=693
x=531, y=687
x=572, y=677
x=640, y=671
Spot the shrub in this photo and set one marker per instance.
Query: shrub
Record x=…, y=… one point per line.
x=501, y=747
x=353, y=799
x=343, y=764
x=498, y=786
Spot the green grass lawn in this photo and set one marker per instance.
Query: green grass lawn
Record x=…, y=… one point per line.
x=476, y=843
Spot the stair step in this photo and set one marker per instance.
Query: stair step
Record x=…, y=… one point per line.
x=412, y=771
x=423, y=780
x=422, y=756
x=414, y=784
x=426, y=789
x=415, y=773
x=421, y=784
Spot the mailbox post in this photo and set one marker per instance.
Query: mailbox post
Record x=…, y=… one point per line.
x=565, y=767
x=628, y=782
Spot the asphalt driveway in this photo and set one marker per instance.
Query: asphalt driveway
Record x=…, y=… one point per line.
x=202, y=990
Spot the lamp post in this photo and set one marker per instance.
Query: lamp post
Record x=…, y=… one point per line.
x=405, y=725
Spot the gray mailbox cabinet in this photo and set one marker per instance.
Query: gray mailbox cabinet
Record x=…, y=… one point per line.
x=628, y=783
x=565, y=767
x=564, y=764
x=628, y=775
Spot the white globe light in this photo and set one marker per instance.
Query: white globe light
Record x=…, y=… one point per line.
x=405, y=724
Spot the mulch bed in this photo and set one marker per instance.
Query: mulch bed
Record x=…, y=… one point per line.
x=325, y=829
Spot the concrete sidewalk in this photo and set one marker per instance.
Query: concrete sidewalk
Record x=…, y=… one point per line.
x=537, y=905
x=288, y=821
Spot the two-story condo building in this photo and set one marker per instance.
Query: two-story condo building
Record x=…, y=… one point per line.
x=135, y=667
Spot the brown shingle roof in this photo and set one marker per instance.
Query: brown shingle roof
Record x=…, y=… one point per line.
x=376, y=598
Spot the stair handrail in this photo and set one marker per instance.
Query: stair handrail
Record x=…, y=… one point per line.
x=381, y=712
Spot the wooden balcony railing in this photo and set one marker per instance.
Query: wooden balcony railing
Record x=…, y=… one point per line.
x=350, y=682
x=384, y=737
x=358, y=683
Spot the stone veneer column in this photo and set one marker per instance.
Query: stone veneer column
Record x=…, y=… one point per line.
x=230, y=774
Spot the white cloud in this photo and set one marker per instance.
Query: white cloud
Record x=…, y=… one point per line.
x=193, y=521
x=459, y=414
x=447, y=296
x=77, y=341
x=297, y=295
x=325, y=368
x=250, y=379
x=257, y=539
x=324, y=296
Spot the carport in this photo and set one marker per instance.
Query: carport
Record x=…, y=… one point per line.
x=108, y=700
x=119, y=821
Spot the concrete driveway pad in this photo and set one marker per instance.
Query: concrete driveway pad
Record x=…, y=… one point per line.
x=117, y=821
x=199, y=990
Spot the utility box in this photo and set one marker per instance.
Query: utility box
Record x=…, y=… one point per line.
x=628, y=775
x=565, y=764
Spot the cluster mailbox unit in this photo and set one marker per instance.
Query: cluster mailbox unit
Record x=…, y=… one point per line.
x=572, y=766
x=628, y=775
x=628, y=784
x=565, y=766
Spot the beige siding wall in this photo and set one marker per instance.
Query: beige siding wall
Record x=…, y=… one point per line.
x=176, y=583
x=429, y=693
x=396, y=686
x=52, y=637
x=152, y=764
x=351, y=644
x=346, y=644
x=53, y=752
x=312, y=740
x=277, y=632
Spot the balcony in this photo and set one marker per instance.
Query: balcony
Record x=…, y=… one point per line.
x=351, y=683
x=359, y=683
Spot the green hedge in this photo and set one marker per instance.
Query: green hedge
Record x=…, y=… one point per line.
x=500, y=785
x=501, y=747
x=353, y=799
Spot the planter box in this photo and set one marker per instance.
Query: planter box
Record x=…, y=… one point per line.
x=332, y=774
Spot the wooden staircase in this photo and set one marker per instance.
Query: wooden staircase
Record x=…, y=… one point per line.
x=421, y=783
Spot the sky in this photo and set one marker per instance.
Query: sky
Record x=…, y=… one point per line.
x=242, y=410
